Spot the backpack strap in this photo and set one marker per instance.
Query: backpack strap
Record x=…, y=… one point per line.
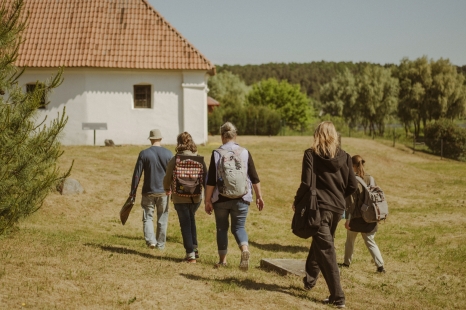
x=363, y=183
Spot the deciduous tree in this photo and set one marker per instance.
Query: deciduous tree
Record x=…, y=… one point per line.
x=287, y=99
x=228, y=89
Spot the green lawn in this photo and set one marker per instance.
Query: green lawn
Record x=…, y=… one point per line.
x=74, y=253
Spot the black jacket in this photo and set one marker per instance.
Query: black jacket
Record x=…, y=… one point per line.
x=335, y=180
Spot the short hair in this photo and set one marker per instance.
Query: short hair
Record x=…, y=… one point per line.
x=185, y=142
x=325, y=140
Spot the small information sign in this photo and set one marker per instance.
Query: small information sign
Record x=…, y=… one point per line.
x=94, y=126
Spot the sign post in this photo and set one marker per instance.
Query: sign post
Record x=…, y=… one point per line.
x=94, y=126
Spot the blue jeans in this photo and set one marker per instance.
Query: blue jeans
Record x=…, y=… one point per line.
x=186, y=215
x=238, y=210
x=149, y=205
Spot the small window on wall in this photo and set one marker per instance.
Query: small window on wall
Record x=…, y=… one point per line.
x=30, y=88
x=142, y=96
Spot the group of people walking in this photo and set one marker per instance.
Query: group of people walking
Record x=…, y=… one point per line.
x=337, y=187
x=228, y=197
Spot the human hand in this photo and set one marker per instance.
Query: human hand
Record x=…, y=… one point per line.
x=168, y=192
x=259, y=203
x=208, y=207
x=347, y=224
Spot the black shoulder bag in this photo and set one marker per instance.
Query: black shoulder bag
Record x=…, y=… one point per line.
x=306, y=218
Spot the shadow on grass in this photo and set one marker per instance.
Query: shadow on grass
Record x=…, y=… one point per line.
x=129, y=237
x=123, y=250
x=252, y=285
x=275, y=247
x=141, y=238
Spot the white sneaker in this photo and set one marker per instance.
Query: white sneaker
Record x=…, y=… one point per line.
x=244, y=264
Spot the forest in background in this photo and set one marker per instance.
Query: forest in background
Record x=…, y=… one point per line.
x=424, y=98
x=310, y=76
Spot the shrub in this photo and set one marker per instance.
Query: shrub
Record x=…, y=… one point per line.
x=250, y=120
x=454, y=138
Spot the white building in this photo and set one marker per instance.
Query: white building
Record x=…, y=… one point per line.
x=125, y=66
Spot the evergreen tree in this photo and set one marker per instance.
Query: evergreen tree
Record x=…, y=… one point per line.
x=29, y=148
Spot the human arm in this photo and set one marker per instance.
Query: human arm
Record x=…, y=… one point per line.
x=138, y=168
x=168, y=178
x=209, y=190
x=254, y=177
x=352, y=183
x=210, y=185
x=259, y=201
x=306, y=177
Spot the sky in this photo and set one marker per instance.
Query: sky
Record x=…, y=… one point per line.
x=262, y=31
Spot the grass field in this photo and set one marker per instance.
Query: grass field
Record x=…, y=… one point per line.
x=75, y=254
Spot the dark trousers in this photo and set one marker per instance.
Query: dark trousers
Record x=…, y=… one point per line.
x=322, y=257
x=187, y=216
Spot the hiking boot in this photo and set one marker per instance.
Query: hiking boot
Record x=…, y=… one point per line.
x=244, y=264
x=380, y=269
x=307, y=286
x=337, y=305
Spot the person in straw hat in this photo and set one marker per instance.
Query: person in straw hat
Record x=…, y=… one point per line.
x=153, y=162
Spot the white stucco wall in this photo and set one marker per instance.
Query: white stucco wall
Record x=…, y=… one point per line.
x=179, y=103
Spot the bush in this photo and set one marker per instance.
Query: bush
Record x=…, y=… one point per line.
x=454, y=138
x=249, y=120
x=214, y=121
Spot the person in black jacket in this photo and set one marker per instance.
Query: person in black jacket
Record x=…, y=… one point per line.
x=335, y=180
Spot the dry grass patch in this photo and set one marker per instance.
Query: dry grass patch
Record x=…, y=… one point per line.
x=75, y=254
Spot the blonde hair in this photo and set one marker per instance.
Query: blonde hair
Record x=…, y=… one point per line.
x=358, y=164
x=325, y=140
x=228, y=131
x=185, y=142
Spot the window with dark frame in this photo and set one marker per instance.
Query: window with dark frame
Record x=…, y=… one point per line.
x=142, y=96
x=30, y=88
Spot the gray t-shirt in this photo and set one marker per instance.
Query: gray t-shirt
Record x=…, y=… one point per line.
x=153, y=161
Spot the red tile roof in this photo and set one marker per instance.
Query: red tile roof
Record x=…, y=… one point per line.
x=212, y=102
x=104, y=34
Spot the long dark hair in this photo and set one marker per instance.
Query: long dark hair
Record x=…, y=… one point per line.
x=185, y=142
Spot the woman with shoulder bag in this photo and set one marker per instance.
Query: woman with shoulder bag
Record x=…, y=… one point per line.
x=355, y=224
x=335, y=181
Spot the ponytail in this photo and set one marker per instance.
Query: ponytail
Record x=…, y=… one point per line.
x=358, y=164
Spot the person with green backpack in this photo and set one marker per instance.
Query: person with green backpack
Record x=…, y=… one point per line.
x=231, y=178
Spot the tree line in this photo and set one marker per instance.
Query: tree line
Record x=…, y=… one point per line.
x=363, y=94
